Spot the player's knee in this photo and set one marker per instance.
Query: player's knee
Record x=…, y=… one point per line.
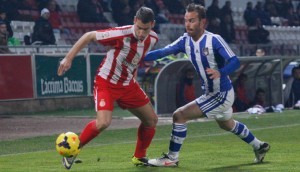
x=102, y=125
x=178, y=116
x=155, y=120
x=152, y=121
x=224, y=127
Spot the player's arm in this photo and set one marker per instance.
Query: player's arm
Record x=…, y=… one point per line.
x=233, y=63
x=174, y=48
x=66, y=63
x=157, y=54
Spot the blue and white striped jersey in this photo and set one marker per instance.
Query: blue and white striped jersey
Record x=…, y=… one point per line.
x=210, y=51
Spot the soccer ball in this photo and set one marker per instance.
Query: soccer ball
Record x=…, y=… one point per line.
x=67, y=144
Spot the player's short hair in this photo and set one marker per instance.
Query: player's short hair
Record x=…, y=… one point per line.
x=145, y=14
x=197, y=8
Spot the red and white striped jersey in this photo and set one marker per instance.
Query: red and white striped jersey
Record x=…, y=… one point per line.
x=124, y=54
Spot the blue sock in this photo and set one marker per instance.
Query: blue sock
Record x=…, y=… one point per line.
x=242, y=131
x=177, y=137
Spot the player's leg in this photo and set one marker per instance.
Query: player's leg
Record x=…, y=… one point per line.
x=223, y=115
x=241, y=130
x=91, y=130
x=179, y=130
x=146, y=132
x=137, y=102
x=95, y=127
x=104, y=106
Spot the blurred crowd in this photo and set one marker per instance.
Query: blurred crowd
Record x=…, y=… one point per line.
x=220, y=19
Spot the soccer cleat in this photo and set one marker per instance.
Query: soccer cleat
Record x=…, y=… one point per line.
x=139, y=161
x=164, y=161
x=68, y=161
x=261, y=152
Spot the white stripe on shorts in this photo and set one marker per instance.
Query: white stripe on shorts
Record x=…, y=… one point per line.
x=217, y=105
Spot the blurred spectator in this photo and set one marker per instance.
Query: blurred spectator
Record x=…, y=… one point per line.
x=135, y=4
x=262, y=14
x=3, y=18
x=185, y=90
x=257, y=34
x=214, y=26
x=227, y=30
x=298, y=12
x=55, y=18
x=175, y=6
x=270, y=7
x=213, y=15
x=259, y=98
x=121, y=12
x=295, y=91
x=160, y=11
x=28, y=5
x=260, y=52
x=213, y=11
x=241, y=102
x=3, y=38
x=42, y=4
x=292, y=17
x=11, y=9
x=226, y=10
x=284, y=6
x=249, y=15
x=91, y=11
x=43, y=31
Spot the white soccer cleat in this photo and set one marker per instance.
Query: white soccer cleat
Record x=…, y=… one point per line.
x=164, y=161
x=261, y=152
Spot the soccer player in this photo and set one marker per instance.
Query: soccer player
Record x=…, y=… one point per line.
x=115, y=80
x=214, y=61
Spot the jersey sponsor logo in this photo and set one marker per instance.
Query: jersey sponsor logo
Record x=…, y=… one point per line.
x=128, y=64
x=102, y=103
x=205, y=51
x=135, y=60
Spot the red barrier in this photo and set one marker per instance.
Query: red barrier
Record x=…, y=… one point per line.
x=15, y=77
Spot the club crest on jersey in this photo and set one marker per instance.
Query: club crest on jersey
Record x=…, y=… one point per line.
x=102, y=103
x=127, y=39
x=205, y=51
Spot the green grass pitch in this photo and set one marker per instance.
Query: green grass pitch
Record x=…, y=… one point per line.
x=206, y=148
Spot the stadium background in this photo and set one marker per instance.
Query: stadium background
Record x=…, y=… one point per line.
x=28, y=80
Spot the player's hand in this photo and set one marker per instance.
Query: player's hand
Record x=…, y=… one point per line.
x=213, y=74
x=64, y=66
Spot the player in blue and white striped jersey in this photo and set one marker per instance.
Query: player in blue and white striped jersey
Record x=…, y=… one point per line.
x=213, y=60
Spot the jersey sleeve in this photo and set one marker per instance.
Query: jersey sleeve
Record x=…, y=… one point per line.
x=225, y=51
x=108, y=37
x=173, y=48
x=222, y=47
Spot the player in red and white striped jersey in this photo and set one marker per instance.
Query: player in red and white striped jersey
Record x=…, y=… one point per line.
x=115, y=80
